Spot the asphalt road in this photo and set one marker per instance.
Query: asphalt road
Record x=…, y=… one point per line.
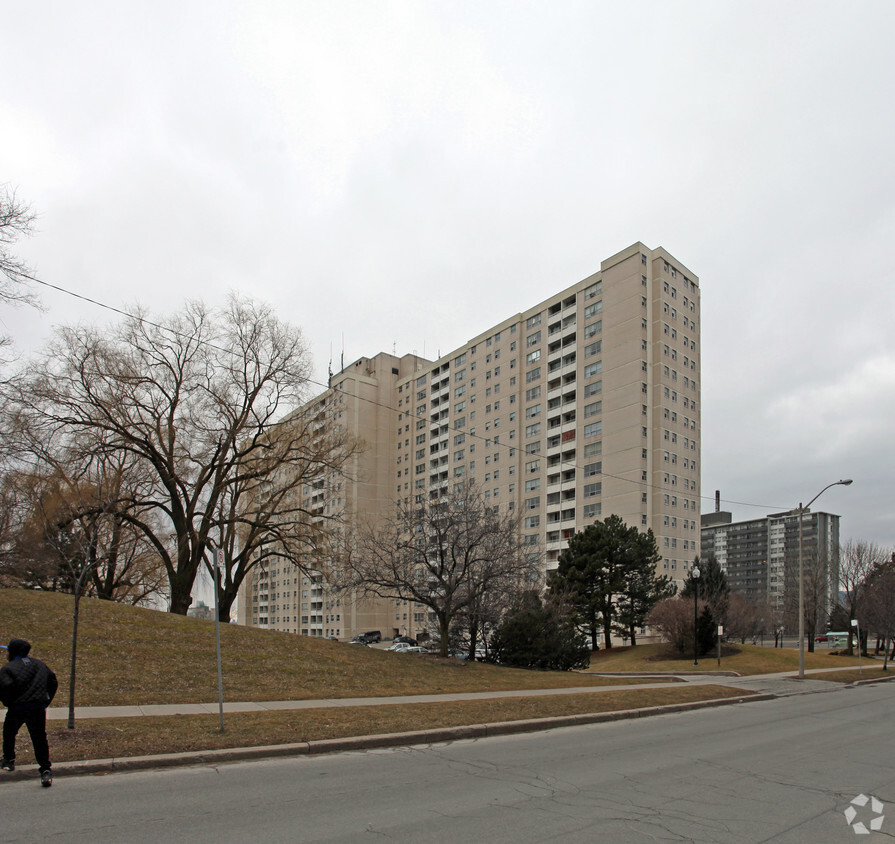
x=783, y=770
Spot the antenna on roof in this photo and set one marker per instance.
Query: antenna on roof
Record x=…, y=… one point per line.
x=330, y=365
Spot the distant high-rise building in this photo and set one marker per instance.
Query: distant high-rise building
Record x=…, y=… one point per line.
x=761, y=557
x=585, y=405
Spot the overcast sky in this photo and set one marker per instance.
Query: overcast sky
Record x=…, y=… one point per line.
x=330, y=156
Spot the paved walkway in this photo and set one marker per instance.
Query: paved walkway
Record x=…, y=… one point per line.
x=783, y=683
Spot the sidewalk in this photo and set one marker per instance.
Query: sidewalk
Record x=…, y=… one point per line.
x=756, y=682
x=756, y=688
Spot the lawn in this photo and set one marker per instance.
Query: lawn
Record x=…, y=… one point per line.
x=742, y=659
x=122, y=737
x=129, y=655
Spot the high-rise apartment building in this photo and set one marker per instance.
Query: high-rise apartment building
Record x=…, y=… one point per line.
x=761, y=557
x=585, y=405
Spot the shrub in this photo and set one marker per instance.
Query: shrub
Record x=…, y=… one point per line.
x=536, y=635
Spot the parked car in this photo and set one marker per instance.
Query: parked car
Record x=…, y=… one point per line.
x=413, y=649
x=407, y=640
x=399, y=646
x=371, y=637
x=358, y=640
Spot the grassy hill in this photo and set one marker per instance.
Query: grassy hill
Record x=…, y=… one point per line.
x=130, y=655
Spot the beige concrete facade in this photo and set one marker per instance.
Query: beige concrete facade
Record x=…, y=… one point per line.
x=582, y=406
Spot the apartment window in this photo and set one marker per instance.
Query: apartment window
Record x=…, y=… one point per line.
x=591, y=490
x=593, y=449
x=591, y=469
x=593, y=429
x=533, y=375
x=593, y=409
x=593, y=389
x=532, y=485
x=591, y=511
x=533, y=393
x=533, y=503
x=593, y=349
x=533, y=430
x=593, y=328
x=532, y=321
x=592, y=369
x=533, y=357
x=532, y=521
x=593, y=290
x=534, y=410
x=533, y=339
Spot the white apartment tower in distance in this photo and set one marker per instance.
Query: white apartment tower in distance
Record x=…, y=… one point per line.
x=583, y=406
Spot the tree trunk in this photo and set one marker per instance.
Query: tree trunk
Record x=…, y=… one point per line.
x=444, y=626
x=181, y=587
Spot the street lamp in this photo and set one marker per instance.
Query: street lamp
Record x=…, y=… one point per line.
x=802, y=511
x=694, y=573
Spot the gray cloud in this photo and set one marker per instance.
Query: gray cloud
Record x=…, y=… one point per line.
x=332, y=157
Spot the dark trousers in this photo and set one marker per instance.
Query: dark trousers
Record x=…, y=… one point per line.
x=36, y=721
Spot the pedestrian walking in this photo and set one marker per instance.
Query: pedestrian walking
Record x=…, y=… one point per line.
x=27, y=687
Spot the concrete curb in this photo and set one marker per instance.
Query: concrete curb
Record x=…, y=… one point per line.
x=872, y=680
x=354, y=743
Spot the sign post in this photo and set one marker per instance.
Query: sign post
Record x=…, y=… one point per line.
x=720, y=634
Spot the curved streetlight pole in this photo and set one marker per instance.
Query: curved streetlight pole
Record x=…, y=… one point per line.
x=801, y=580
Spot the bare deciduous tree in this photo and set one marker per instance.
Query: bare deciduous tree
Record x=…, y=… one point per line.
x=444, y=554
x=745, y=618
x=877, y=602
x=857, y=559
x=262, y=514
x=192, y=402
x=16, y=221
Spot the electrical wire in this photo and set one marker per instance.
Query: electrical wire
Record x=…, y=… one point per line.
x=640, y=484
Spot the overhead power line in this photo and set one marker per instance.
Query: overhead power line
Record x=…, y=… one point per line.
x=571, y=464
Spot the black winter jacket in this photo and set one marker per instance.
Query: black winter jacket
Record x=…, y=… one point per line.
x=26, y=683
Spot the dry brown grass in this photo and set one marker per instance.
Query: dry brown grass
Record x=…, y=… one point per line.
x=129, y=655
x=122, y=737
x=873, y=673
x=743, y=659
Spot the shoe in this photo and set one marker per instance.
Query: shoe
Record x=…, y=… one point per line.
x=46, y=778
x=8, y=764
